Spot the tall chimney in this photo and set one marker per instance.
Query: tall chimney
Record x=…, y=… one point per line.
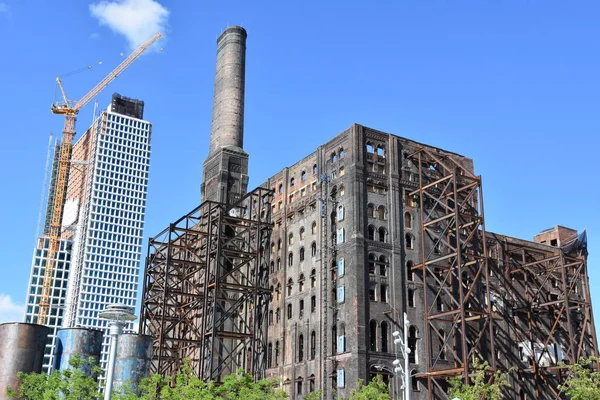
x=228, y=102
x=225, y=170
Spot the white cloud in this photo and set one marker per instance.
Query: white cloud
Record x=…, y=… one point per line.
x=137, y=20
x=94, y=35
x=9, y=311
x=4, y=8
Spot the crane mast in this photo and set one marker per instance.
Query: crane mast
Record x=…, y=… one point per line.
x=62, y=178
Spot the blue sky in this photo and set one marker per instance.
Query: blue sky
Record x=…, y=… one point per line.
x=512, y=84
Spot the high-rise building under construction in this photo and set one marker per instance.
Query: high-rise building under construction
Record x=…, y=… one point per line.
x=103, y=220
x=308, y=277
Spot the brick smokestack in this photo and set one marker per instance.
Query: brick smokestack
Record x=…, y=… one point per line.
x=227, y=129
x=225, y=170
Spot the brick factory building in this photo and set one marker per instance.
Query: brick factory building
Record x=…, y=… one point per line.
x=307, y=277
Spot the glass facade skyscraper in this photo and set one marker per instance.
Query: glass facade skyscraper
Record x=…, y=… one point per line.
x=103, y=222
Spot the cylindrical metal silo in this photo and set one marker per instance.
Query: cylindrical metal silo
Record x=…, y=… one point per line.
x=82, y=342
x=21, y=350
x=133, y=360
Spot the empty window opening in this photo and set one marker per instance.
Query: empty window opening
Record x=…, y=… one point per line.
x=382, y=235
x=409, y=270
x=407, y=220
x=381, y=212
x=373, y=335
x=384, y=337
x=301, y=348
x=409, y=241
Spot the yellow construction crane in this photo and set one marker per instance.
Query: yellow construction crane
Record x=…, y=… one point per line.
x=70, y=111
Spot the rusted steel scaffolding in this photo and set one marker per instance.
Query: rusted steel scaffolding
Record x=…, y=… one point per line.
x=510, y=302
x=453, y=266
x=541, y=300
x=206, y=290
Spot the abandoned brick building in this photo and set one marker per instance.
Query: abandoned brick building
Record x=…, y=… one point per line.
x=307, y=277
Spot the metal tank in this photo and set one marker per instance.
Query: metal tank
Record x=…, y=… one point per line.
x=21, y=350
x=82, y=342
x=133, y=360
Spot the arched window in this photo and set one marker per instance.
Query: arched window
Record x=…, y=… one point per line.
x=333, y=157
x=279, y=243
x=278, y=291
x=273, y=247
x=313, y=278
x=370, y=147
x=439, y=303
x=301, y=254
x=381, y=212
x=302, y=234
x=412, y=344
x=371, y=232
x=334, y=339
x=289, y=311
x=270, y=355
x=313, y=228
x=270, y=317
x=372, y=259
x=301, y=283
x=373, y=335
x=315, y=169
x=340, y=212
x=411, y=297
x=370, y=210
x=342, y=171
x=442, y=337
x=383, y=264
x=407, y=220
x=341, y=153
x=277, y=353
x=414, y=381
x=303, y=176
x=384, y=337
x=290, y=286
x=409, y=270
x=383, y=293
x=300, y=348
x=380, y=151
x=278, y=263
x=313, y=249
x=382, y=234
x=272, y=266
x=409, y=241
x=290, y=259
x=281, y=188
x=291, y=239
x=278, y=315
x=292, y=181
x=342, y=190
x=313, y=345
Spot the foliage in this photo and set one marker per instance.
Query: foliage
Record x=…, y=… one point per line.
x=583, y=383
x=480, y=387
x=68, y=384
x=375, y=390
x=314, y=395
x=187, y=385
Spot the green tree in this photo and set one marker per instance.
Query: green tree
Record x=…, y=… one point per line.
x=68, y=384
x=375, y=390
x=480, y=387
x=314, y=395
x=187, y=386
x=583, y=382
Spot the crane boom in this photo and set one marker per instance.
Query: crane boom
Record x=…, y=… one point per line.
x=62, y=177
